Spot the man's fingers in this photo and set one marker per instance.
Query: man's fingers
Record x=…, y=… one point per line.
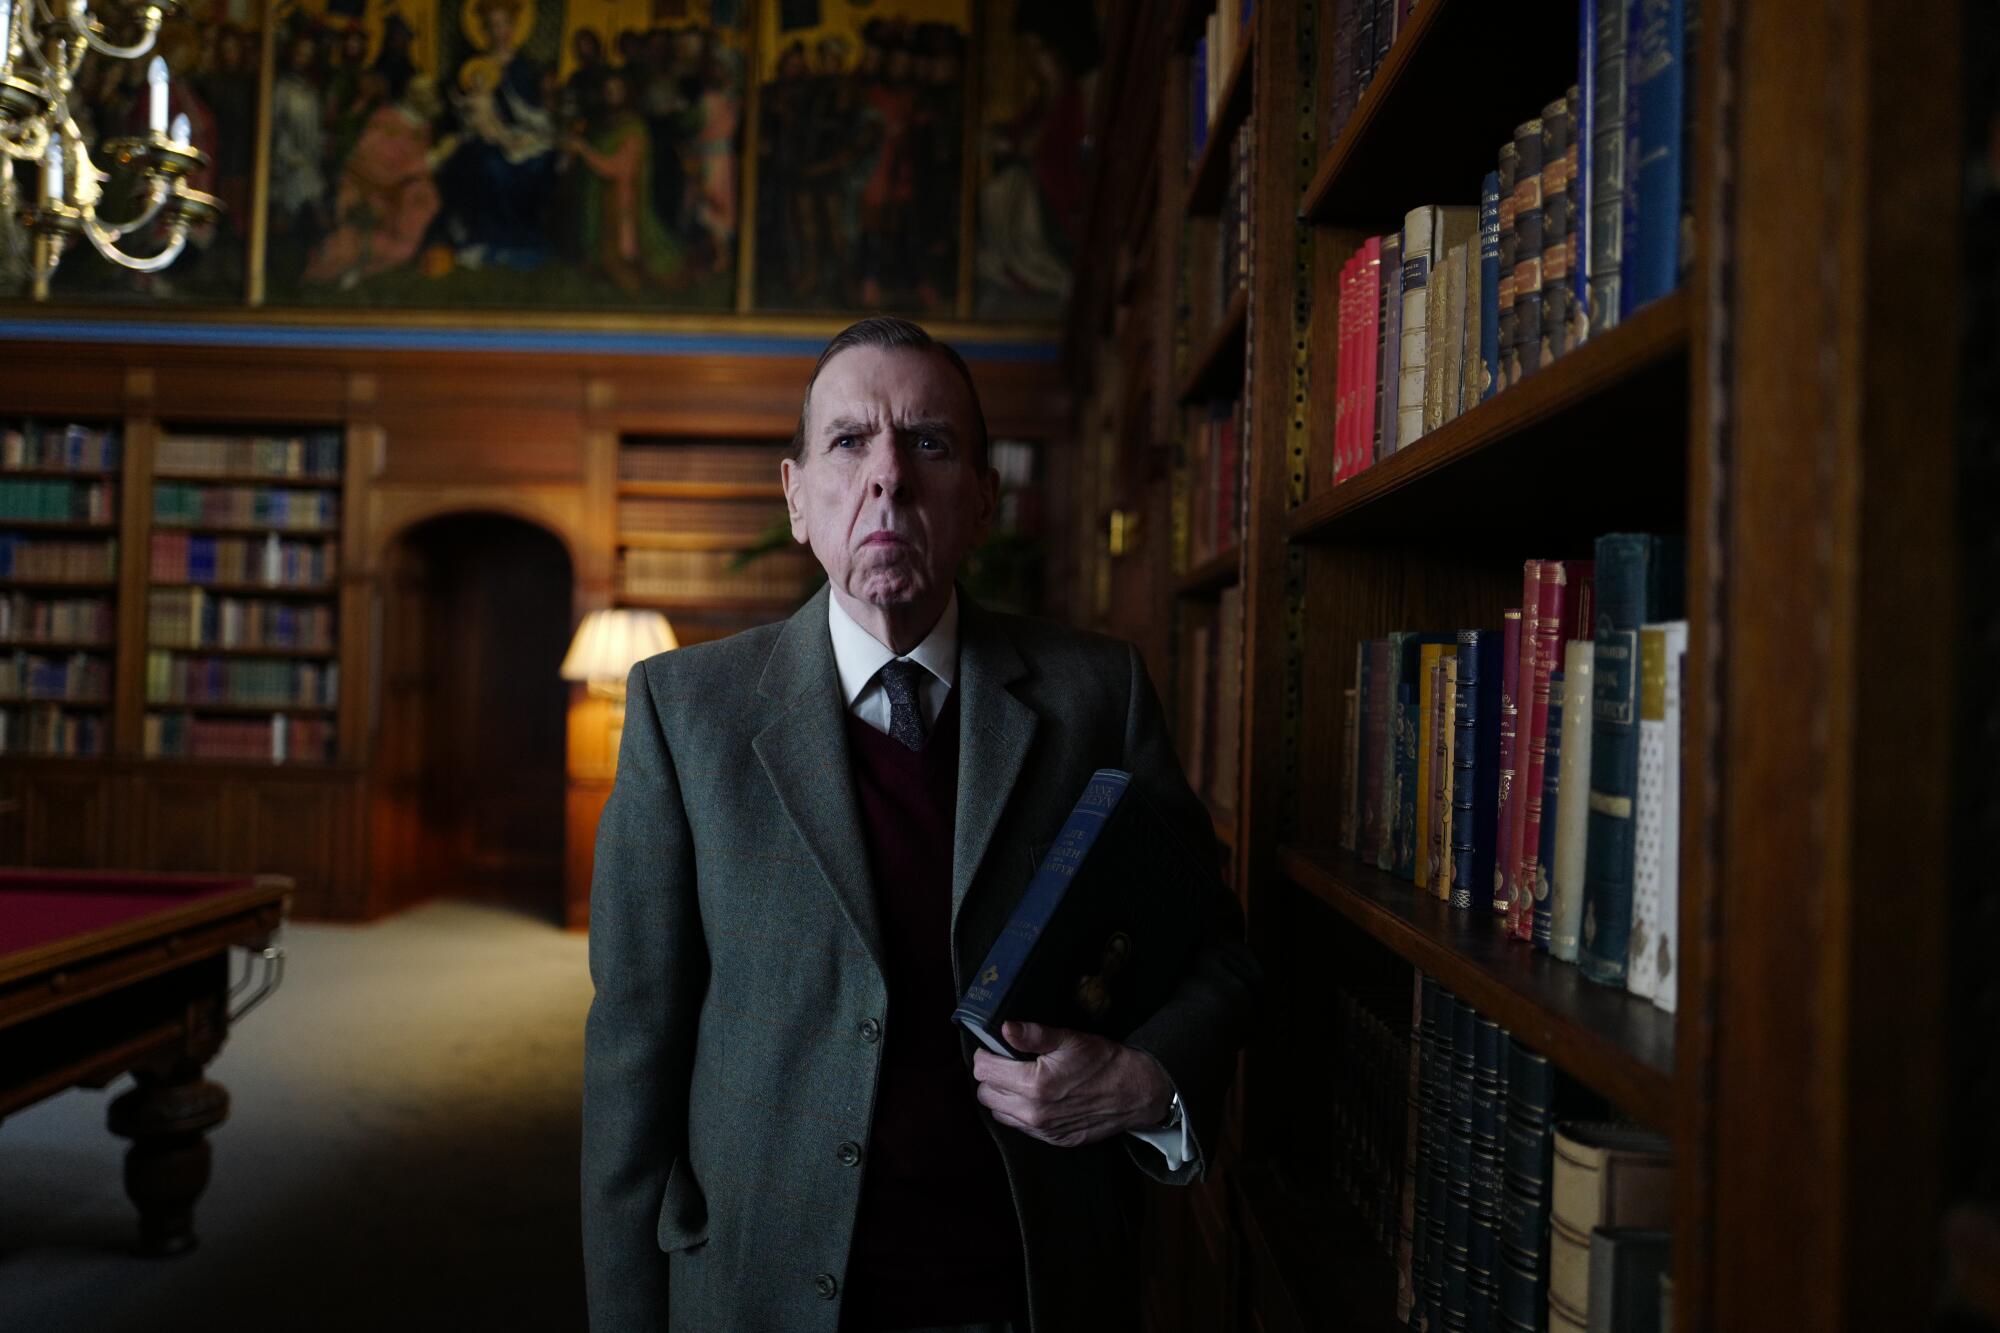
x=1034, y=1038
x=1017, y=1076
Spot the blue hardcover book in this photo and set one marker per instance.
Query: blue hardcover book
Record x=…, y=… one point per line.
x=1198, y=111
x=1639, y=579
x=1104, y=929
x=1546, y=851
x=1475, y=789
x=1580, y=191
x=1655, y=114
x=1489, y=284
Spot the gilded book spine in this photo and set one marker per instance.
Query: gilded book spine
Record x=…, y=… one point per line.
x=1572, y=803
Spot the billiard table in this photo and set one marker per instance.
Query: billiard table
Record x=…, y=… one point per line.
x=104, y=973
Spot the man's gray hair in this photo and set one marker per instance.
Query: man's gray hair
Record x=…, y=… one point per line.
x=892, y=334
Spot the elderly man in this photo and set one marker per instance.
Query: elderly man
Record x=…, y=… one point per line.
x=818, y=828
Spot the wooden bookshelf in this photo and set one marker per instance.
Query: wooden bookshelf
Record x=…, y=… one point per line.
x=702, y=490
x=1595, y=442
x=1619, y=1044
x=1216, y=371
x=1311, y=1262
x=1212, y=575
x=1370, y=175
x=57, y=474
x=738, y=511
x=304, y=483
x=204, y=706
x=321, y=651
x=305, y=591
x=1205, y=185
x=60, y=525
x=319, y=532
x=67, y=585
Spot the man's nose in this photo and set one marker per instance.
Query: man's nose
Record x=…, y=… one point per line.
x=888, y=476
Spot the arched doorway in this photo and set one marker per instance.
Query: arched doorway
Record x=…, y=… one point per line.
x=468, y=764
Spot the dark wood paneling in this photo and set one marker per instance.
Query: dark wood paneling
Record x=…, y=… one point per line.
x=295, y=829
x=183, y=823
x=67, y=819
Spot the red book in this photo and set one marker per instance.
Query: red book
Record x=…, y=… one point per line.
x=1350, y=343
x=1343, y=414
x=1510, y=671
x=1548, y=651
x=1520, y=906
x=1368, y=297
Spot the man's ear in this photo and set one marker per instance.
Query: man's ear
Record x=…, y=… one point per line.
x=795, y=508
x=989, y=498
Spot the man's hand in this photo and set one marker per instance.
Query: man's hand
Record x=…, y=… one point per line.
x=1078, y=1089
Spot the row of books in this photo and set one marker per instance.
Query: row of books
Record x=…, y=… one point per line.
x=1513, y=1219
x=277, y=739
x=172, y=678
x=82, y=677
x=698, y=575
x=25, y=618
x=733, y=464
x=72, y=447
x=195, y=618
x=47, y=730
x=245, y=506
x=1498, y=780
x=1367, y=1038
x=1232, y=271
x=1212, y=703
x=314, y=454
x=46, y=501
x=46, y=561
x=1363, y=32
x=742, y=520
x=1215, y=435
x=182, y=557
x=1223, y=37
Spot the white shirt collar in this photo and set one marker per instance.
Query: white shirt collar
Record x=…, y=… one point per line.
x=858, y=655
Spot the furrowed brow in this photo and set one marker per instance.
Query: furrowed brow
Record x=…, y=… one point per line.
x=840, y=426
x=940, y=426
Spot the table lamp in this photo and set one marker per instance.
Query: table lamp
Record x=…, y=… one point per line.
x=606, y=646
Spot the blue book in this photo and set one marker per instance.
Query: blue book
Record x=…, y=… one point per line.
x=1639, y=579
x=1546, y=849
x=1489, y=283
x=1602, y=259
x=1103, y=931
x=1580, y=191
x=1655, y=118
x=1475, y=777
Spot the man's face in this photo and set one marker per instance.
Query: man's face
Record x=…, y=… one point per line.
x=887, y=490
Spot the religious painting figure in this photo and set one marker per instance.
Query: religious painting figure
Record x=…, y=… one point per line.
x=387, y=195
x=622, y=235
x=496, y=184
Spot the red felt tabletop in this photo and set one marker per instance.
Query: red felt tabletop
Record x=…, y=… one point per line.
x=41, y=907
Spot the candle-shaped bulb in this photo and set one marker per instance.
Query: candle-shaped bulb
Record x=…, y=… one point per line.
x=52, y=171
x=6, y=34
x=156, y=83
x=180, y=134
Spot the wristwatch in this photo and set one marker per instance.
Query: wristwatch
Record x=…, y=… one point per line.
x=1173, y=1119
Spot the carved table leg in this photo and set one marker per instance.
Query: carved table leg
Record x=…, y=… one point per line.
x=167, y=1117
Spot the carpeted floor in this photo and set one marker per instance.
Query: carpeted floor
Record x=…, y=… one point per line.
x=401, y=1152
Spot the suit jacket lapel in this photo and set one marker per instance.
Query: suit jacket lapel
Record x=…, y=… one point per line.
x=995, y=731
x=804, y=750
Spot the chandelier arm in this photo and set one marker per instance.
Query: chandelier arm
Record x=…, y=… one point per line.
x=107, y=246
x=158, y=192
x=92, y=32
x=31, y=146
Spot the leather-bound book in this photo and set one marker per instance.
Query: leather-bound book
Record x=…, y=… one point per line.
x=1427, y=696
x=1655, y=126
x=1572, y=803
x=1520, y=907
x=1388, y=365
x=1604, y=253
x=1445, y=729
x=1556, y=229
x=1626, y=1265
x=1475, y=765
x=1507, y=252
x=1583, y=121
x=1345, y=21
x=1545, y=850
x=1611, y=1174
x=1510, y=679
x=1524, y=356
x=1367, y=351
x=1639, y=578
x=1343, y=375
x=1547, y=652
x=1489, y=288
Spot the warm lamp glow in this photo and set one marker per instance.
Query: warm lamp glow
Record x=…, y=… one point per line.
x=609, y=643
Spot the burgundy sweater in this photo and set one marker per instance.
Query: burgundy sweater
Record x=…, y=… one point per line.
x=936, y=1240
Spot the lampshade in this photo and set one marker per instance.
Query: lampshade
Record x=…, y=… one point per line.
x=609, y=643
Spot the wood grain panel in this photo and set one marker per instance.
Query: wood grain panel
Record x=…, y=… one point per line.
x=183, y=823
x=68, y=818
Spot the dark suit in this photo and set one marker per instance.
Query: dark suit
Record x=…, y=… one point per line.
x=733, y=1044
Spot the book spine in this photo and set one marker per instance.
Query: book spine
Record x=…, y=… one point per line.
x=1527, y=1160
x=1427, y=696
x=1545, y=850
x=1374, y=784
x=1510, y=672
x=1666, y=986
x=1656, y=72
x=1572, y=802
x=1482, y=1253
x=1405, y=864
x=1465, y=765
x=1546, y=652
x=1369, y=294
x=1442, y=770
x=1436, y=1150
x=1556, y=231
x=1458, y=268
x=1406, y=1239
x=1489, y=287
x=1458, y=1192
x=1437, y=367
x=1576, y=314
x=1387, y=422
x=1648, y=812
x=1349, y=757
x=1343, y=69
x=1583, y=130
x=1508, y=252
x=1607, y=167
x=1623, y=576
x=1526, y=355
x=1343, y=379
x=1357, y=776
x=1469, y=320
x=1392, y=748
x=1009, y=957
x=1419, y=238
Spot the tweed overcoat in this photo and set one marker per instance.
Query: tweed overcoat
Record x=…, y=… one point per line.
x=740, y=1010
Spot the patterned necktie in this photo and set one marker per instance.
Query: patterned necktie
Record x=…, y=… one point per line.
x=899, y=678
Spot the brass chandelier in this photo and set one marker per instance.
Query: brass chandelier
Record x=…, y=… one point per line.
x=47, y=42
